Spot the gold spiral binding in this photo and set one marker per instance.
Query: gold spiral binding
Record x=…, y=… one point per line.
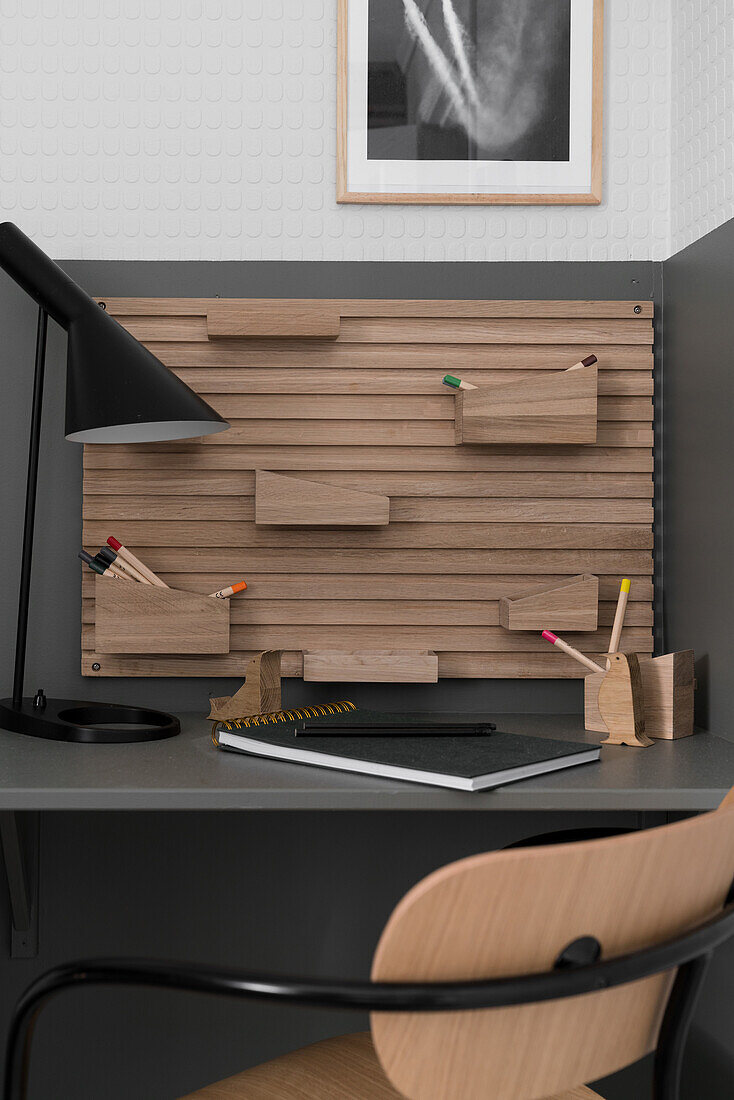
x=321, y=710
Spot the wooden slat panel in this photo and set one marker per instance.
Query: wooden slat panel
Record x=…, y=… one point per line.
x=236, y=562
x=466, y=458
x=274, y=380
x=397, y=612
x=385, y=586
x=458, y=358
x=391, y=433
x=379, y=330
x=559, y=536
x=367, y=412
x=402, y=510
x=386, y=307
x=488, y=639
x=242, y=483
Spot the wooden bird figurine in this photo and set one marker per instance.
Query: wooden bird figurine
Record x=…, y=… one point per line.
x=260, y=693
x=621, y=702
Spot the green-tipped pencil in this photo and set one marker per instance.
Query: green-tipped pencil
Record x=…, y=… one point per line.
x=456, y=383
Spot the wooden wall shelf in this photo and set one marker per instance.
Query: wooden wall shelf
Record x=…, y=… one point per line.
x=573, y=605
x=560, y=408
x=397, y=666
x=294, y=501
x=273, y=318
x=668, y=689
x=140, y=618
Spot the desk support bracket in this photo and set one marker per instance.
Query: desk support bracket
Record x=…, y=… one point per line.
x=19, y=836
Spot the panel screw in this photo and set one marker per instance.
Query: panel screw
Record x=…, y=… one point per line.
x=638, y=309
x=103, y=305
x=96, y=666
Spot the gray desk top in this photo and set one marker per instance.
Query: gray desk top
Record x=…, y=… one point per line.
x=188, y=773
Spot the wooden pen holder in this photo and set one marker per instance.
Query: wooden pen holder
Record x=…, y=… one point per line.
x=559, y=408
x=667, y=688
x=142, y=618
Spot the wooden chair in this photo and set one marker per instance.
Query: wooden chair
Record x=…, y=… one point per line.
x=512, y=975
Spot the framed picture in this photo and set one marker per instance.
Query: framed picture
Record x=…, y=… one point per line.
x=469, y=101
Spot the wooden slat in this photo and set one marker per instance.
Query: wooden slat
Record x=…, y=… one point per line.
x=357, y=510
x=237, y=561
x=385, y=586
x=242, y=483
x=466, y=458
x=185, y=330
x=379, y=330
x=455, y=665
x=488, y=639
x=406, y=612
x=437, y=406
x=391, y=433
x=521, y=536
x=458, y=358
x=386, y=307
x=273, y=318
x=274, y=380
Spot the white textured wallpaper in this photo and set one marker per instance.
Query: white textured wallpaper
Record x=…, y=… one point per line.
x=702, y=118
x=205, y=129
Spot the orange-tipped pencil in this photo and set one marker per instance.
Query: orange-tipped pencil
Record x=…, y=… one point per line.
x=225, y=593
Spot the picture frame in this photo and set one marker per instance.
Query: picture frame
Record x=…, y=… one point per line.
x=428, y=103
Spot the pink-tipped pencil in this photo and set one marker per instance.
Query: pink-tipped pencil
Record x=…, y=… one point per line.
x=587, y=362
x=559, y=642
x=126, y=555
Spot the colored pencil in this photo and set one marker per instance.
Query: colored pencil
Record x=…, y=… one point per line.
x=624, y=591
x=587, y=362
x=555, y=640
x=96, y=567
x=128, y=556
x=107, y=555
x=225, y=593
x=456, y=383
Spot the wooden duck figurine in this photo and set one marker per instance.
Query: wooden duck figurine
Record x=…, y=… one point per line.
x=621, y=702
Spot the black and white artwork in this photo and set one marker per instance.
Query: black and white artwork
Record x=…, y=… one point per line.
x=491, y=100
x=468, y=80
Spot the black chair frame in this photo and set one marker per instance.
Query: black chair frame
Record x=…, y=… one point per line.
x=690, y=953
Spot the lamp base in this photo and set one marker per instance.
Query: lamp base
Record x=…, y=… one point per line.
x=91, y=723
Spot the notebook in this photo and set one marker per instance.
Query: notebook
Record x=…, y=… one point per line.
x=460, y=763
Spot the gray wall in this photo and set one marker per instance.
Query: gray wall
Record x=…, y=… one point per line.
x=698, y=465
x=54, y=644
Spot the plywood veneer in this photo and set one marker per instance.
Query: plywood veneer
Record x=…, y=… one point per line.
x=371, y=666
x=361, y=408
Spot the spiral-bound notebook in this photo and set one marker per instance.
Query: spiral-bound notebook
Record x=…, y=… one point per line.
x=462, y=763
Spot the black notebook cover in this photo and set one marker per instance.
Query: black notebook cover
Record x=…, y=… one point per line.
x=463, y=763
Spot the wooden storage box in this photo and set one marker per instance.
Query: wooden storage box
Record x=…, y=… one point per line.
x=396, y=666
x=141, y=618
x=559, y=408
x=667, y=686
x=570, y=606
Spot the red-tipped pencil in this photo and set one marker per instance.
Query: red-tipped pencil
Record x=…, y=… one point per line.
x=128, y=556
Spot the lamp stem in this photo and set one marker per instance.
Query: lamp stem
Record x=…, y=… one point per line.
x=30, y=509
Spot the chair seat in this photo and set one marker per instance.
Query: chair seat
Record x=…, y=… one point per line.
x=343, y=1068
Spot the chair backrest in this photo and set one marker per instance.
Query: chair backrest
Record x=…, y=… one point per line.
x=513, y=912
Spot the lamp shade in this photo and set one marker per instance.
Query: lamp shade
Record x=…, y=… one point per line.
x=116, y=390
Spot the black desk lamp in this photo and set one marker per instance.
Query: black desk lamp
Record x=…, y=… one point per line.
x=116, y=392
